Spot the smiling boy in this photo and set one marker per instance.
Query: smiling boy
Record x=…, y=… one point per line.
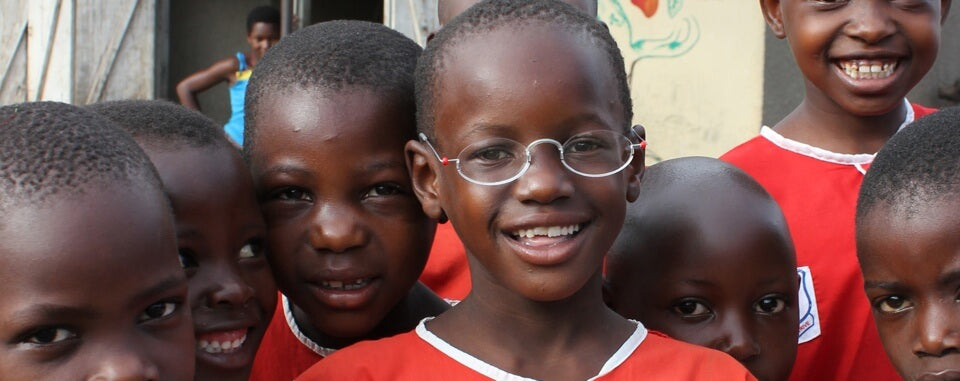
x=859, y=58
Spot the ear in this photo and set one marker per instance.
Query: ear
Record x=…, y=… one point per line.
x=423, y=168
x=773, y=16
x=944, y=10
x=637, y=167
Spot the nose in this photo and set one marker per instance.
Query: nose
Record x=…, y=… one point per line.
x=227, y=288
x=869, y=22
x=124, y=366
x=547, y=179
x=938, y=325
x=736, y=339
x=337, y=229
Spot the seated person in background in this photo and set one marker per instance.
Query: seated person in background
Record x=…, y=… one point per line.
x=220, y=231
x=92, y=289
x=526, y=146
x=908, y=243
x=705, y=257
x=329, y=111
x=263, y=31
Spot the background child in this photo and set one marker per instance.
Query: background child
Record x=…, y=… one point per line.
x=330, y=109
x=909, y=246
x=505, y=80
x=705, y=257
x=263, y=31
x=91, y=285
x=859, y=59
x=220, y=231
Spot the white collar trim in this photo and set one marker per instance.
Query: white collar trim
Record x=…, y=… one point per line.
x=824, y=155
x=295, y=329
x=633, y=342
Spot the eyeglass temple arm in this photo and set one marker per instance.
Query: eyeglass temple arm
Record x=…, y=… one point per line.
x=641, y=145
x=443, y=160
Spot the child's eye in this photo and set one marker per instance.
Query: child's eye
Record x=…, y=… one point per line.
x=893, y=304
x=691, y=308
x=252, y=249
x=291, y=194
x=383, y=190
x=49, y=335
x=158, y=310
x=491, y=154
x=583, y=145
x=187, y=260
x=770, y=305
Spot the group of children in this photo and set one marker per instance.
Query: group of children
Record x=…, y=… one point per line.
x=299, y=256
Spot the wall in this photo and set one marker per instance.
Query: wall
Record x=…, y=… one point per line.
x=694, y=71
x=78, y=51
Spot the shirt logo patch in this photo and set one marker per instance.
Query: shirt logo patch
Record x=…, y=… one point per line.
x=809, y=317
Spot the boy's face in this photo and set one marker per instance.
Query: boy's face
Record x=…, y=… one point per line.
x=262, y=36
x=911, y=272
x=347, y=237
x=732, y=287
x=92, y=289
x=863, y=55
x=221, y=237
x=541, y=83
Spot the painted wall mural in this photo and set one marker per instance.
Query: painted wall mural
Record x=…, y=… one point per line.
x=664, y=30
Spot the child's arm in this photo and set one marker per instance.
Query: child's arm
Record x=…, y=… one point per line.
x=220, y=71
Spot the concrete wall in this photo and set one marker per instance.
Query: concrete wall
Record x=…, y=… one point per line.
x=783, y=86
x=694, y=70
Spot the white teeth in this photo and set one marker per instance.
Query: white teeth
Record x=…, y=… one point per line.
x=549, y=231
x=221, y=347
x=863, y=69
x=352, y=285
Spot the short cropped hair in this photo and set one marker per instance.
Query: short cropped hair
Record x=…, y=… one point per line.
x=162, y=124
x=50, y=149
x=918, y=165
x=266, y=14
x=491, y=15
x=331, y=56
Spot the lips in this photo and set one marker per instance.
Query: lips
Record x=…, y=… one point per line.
x=345, y=291
x=943, y=375
x=545, y=244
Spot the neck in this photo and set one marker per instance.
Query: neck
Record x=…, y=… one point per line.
x=821, y=122
x=526, y=327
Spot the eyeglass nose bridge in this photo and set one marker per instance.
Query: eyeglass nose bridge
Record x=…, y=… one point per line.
x=529, y=149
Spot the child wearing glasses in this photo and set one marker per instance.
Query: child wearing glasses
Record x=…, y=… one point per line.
x=524, y=111
x=329, y=110
x=705, y=257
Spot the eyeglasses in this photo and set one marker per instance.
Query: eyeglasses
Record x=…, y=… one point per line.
x=499, y=161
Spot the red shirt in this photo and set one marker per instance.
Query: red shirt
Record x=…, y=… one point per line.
x=446, y=272
x=282, y=356
x=420, y=355
x=817, y=190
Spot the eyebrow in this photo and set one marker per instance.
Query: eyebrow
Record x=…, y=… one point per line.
x=171, y=282
x=50, y=311
x=285, y=170
x=385, y=164
x=883, y=284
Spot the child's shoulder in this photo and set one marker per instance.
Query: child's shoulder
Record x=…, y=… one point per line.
x=660, y=357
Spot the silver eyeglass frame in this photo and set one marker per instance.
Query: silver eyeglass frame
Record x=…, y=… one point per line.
x=526, y=165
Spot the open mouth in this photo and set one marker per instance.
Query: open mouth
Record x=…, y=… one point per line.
x=345, y=286
x=545, y=235
x=224, y=342
x=868, y=69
